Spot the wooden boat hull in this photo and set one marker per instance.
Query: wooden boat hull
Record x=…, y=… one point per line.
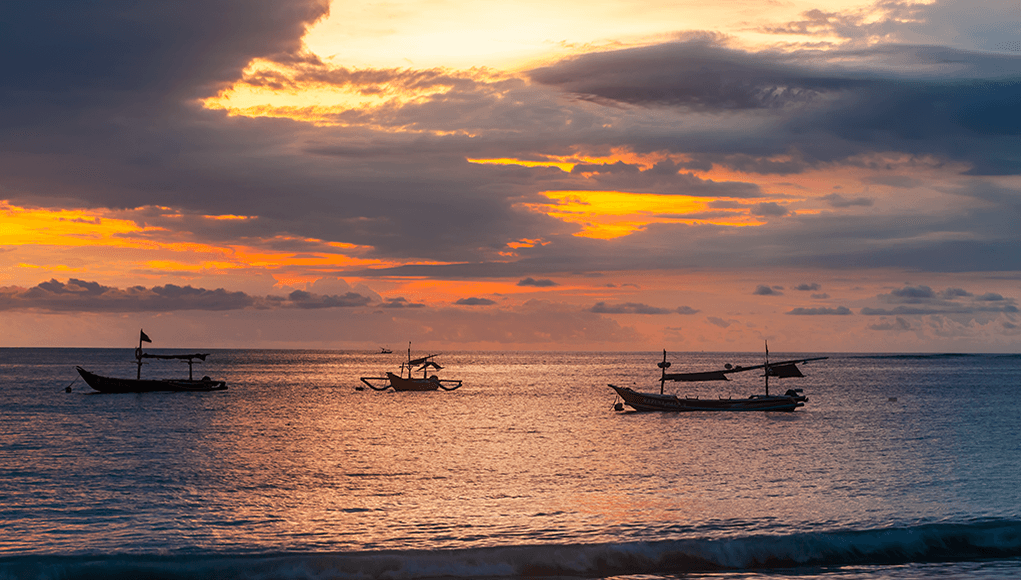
x=403, y=384
x=656, y=402
x=116, y=385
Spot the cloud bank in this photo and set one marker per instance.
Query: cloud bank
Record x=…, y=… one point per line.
x=82, y=296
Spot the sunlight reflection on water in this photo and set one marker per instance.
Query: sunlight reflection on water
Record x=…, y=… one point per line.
x=292, y=457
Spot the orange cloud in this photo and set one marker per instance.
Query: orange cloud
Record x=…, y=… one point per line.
x=612, y=214
x=321, y=95
x=63, y=227
x=567, y=163
x=128, y=247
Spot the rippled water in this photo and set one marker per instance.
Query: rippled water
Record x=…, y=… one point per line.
x=901, y=452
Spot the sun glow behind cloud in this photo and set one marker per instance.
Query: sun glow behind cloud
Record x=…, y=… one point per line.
x=612, y=214
x=310, y=93
x=491, y=33
x=128, y=242
x=567, y=163
x=62, y=227
x=475, y=39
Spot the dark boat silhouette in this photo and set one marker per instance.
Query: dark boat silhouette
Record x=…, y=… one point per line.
x=140, y=385
x=410, y=382
x=789, y=401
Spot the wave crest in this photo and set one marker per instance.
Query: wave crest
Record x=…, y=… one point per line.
x=928, y=543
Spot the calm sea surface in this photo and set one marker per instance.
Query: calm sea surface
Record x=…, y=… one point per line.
x=897, y=467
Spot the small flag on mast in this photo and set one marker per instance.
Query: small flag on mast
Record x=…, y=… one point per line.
x=144, y=337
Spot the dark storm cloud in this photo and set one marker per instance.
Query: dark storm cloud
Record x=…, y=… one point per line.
x=399, y=302
x=697, y=74
x=80, y=295
x=474, y=301
x=769, y=209
x=918, y=99
x=840, y=310
x=83, y=296
x=637, y=308
x=837, y=200
x=302, y=299
x=540, y=283
x=75, y=55
x=922, y=300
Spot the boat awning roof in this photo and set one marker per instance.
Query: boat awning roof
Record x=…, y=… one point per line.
x=783, y=369
x=694, y=377
x=421, y=360
x=200, y=356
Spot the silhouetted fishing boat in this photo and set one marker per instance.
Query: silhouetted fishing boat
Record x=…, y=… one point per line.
x=789, y=401
x=140, y=385
x=411, y=383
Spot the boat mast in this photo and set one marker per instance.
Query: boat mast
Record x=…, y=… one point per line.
x=663, y=367
x=767, y=368
x=138, y=355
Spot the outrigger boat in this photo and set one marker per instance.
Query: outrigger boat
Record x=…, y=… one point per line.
x=140, y=385
x=410, y=383
x=789, y=401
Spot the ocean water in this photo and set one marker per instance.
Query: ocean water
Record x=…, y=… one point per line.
x=899, y=466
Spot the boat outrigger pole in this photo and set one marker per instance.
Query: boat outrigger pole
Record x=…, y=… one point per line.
x=663, y=367
x=138, y=351
x=139, y=355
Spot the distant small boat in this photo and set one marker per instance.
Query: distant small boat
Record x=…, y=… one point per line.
x=789, y=401
x=385, y=350
x=411, y=383
x=140, y=385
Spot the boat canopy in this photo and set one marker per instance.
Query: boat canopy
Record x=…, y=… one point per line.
x=188, y=357
x=695, y=377
x=784, y=369
x=419, y=361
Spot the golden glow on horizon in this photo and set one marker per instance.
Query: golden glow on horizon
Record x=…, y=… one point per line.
x=107, y=230
x=612, y=214
x=21, y=226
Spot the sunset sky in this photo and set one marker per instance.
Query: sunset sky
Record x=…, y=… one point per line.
x=618, y=175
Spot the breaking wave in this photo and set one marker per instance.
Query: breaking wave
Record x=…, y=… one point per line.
x=927, y=543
